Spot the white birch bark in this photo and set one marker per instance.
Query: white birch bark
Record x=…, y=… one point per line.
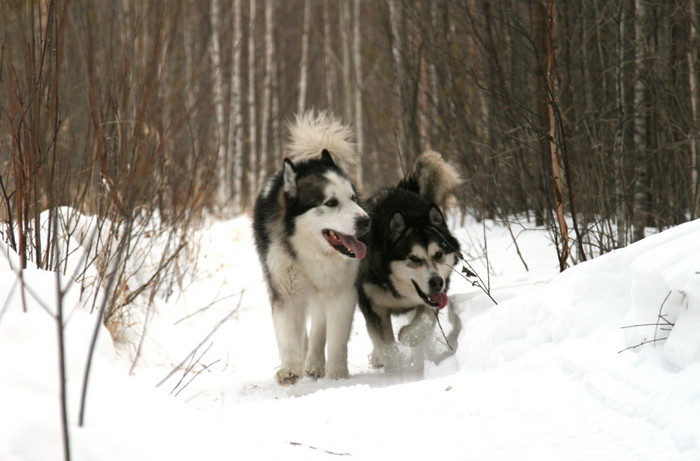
x=328, y=53
x=189, y=45
x=557, y=167
x=397, y=58
x=346, y=67
x=304, y=66
x=254, y=159
x=357, y=67
x=218, y=95
x=267, y=92
x=235, y=129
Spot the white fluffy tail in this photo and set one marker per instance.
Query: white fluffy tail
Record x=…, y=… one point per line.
x=312, y=132
x=433, y=178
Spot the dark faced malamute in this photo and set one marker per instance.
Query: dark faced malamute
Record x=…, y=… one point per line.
x=307, y=222
x=411, y=253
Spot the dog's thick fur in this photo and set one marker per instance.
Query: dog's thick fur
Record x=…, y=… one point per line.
x=411, y=253
x=306, y=223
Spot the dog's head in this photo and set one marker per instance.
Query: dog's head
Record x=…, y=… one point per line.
x=422, y=253
x=322, y=208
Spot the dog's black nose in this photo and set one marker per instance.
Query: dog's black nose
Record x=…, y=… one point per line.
x=436, y=283
x=362, y=226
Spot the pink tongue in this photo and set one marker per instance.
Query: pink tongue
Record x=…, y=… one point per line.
x=355, y=245
x=439, y=298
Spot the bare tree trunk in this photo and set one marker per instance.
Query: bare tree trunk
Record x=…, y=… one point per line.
x=275, y=114
x=235, y=130
x=399, y=84
x=433, y=75
x=254, y=160
x=304, y=66
x=267, y=91
x=328, y=53
x=347, y=69
x=357, y=67
x=190, y=31
x=557, y=165
x=619, y=150
x=693, y=81
x=218, y=94
x=640, y=132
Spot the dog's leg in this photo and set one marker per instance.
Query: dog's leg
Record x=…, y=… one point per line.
x=316, y=358
x=421, y=326
x=289, y=321
x=339, y=316
x=385, y=351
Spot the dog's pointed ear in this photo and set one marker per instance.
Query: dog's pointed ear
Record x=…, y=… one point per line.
x=397, y=226
x=436, y=217
x=327, y=158
x=290, y=178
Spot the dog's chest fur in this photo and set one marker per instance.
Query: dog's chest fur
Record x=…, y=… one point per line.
x=309, y=272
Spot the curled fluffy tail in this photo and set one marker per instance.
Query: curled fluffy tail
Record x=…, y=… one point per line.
x=312, y=132
x=433, y=178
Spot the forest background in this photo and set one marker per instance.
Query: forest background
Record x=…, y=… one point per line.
x=578, y=115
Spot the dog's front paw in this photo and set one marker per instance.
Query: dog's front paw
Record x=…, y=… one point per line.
x=315, y=372
x=287, y=376
x=375, y=361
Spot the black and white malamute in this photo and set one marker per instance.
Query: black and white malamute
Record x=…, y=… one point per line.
x=306, y=223
x=411, y=253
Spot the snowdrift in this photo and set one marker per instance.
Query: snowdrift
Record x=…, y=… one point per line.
x=600, y=362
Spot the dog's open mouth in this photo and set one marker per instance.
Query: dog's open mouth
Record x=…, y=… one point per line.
x=345, y=244
x=437, y=300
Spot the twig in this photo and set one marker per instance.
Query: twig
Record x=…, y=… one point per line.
x=96, y=330
x=205, y=368
x=437, y=317
x=476, y=283
x=211, y=333
x=642, y=343
x=471, y=271
x=657, y=326
x=199, y=311
x=189, y=368
x=515, y=242
x=334, y=453
x=661, y=316
x=61, y=351
x=486, y=254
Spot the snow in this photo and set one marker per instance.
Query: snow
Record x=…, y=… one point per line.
x=556, y=371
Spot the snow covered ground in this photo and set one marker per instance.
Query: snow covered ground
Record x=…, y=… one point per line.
x=542, y=375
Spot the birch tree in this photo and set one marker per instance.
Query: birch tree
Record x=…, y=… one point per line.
x=267, y=91
x=556, y=160
x=218, y=95
x=235, y=132
x=346, y=67
x=357, y=67
x=399, y=85
x=254, y=156
x=640, y=132
x=619, y=156
x=693, y=137
x=329, y=75
x=304, y=65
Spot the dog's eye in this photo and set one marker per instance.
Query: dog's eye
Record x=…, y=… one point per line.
x=354, y=198
x=438, y=256
x=332, y=202
x=415, y=259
